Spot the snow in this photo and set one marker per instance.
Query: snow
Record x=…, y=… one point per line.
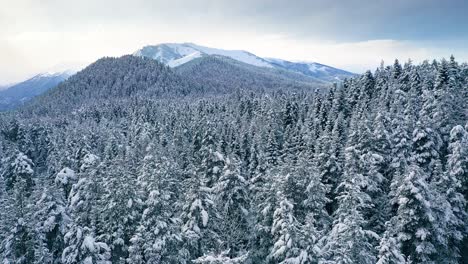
x=239, y=55
x=54, y=74
x=23, y=164
x=204, y=216
x=49, y=224
x=313, y=67
x=219, y=155
x=277, y=61
x=65, y=176
x=119, y=241
x=89, y=160
x=402, y=201
x=88, y=242
x=221, y=258
x=422, y=233
x=183, y=60
x=88, y=260
x=176, y=54
x=196, y=204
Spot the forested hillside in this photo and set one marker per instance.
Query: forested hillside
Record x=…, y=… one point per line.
x=130, y=162
x=223, y=74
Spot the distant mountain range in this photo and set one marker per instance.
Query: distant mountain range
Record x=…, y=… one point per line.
x=17, y=94
x=210, y=68
x=128, y=79
x=175, y=54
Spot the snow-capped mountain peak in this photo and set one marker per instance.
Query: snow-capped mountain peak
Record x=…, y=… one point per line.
x=49, y=74
x=176, y=54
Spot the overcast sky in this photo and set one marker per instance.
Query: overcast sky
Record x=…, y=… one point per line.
x=355, y=35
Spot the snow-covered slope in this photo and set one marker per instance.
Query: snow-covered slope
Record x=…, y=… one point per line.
x=174, y=55
x=312, y=69
x=185, y=59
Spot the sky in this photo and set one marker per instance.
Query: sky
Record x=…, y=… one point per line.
x=355, y=35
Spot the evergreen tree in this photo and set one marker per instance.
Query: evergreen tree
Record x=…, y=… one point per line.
x=413, y=223
x=349, y=241
x=80, y=239
x=234, y=207
x=18, y=246
x=158, y=238
x=289, y=245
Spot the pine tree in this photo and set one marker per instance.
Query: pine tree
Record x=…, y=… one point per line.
x=158, y=237
x=390, y=246
x=288, y=246
x=199, y=214
x=80, y=239
x=349, y=241
x=18, y=246
x=318, y=219
x=413, y=223
x=451, y=202
x=262, y=187
x=52, y=220
x=234, y=206
x=118, y=217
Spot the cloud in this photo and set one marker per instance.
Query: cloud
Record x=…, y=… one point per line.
x=354, y=35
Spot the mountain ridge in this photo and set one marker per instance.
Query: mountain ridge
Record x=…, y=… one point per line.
x=177, y=54
x=19, y=93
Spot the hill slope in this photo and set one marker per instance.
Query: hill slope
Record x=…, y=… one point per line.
x=223, y=74
x=113, y=79
x=130, y=78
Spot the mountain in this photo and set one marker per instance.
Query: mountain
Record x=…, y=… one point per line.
x=223, y=74
x=5, y=86
x=129, y=78
x=313, y=69
x=174, y=55
x=22, y=92
x=209, y=69
x=110, y=80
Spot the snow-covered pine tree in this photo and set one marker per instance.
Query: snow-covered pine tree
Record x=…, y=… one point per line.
x=18, y=246
x=317, y=220
x=349, y=241
x=118, y=212
x=233, y=201
x=199, y=213
x=410, y=232
x=81, y=245
x=451, y=202
x=158, y=236
x=287, y=233
x=52, y=219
